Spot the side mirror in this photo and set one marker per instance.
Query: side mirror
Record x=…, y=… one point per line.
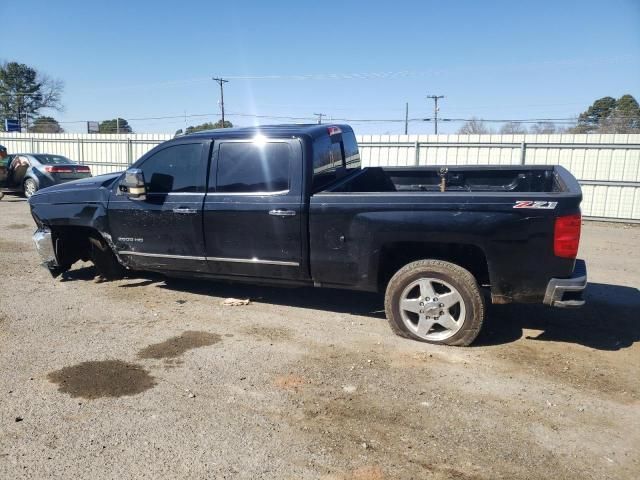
x=133, y=184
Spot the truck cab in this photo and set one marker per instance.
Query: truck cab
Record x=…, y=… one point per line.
x=235, y=205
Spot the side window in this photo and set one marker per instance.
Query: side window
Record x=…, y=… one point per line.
x=247, y=167
x=175, y=169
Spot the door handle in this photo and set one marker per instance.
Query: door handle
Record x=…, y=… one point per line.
x=282, y=213
x=184, y=210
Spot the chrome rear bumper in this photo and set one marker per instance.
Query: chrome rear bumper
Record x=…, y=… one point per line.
x=567, y=292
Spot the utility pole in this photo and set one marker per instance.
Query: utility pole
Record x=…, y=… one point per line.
x=406, y=118
x=320, y=115
x=435, y=110
x=117, y=124
x=221, y=82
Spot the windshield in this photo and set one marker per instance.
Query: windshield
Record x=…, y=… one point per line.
x=53, y=159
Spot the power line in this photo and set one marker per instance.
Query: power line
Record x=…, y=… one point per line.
x=182, y=116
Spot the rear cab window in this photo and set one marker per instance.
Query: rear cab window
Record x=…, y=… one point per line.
x=334, y=155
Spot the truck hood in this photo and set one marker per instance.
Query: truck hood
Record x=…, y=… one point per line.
x=86, y=190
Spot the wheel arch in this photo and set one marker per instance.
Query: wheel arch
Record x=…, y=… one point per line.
x=71, y=243
x=393, y=256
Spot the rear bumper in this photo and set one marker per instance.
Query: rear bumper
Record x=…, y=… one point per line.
x=567, y=292
x=44, y=245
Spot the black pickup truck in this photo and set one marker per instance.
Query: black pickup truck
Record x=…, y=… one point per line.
x=291, y=205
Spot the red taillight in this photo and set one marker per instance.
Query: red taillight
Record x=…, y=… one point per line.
x=334, y=130
x=54, y=169
x=566, y=236
x=83, y=170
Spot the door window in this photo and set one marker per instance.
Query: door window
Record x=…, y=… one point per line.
x=249, y=167
x=177, y=168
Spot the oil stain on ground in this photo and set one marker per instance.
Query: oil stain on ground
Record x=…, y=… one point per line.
x=17, y=226
x=107, y=378
x=176, y=346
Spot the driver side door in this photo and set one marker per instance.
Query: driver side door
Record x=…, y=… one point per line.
x=164, y=230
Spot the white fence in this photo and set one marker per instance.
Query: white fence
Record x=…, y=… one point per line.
x=608, y=166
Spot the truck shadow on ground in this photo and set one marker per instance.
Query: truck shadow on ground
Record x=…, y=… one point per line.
x=610, y=320
x=333, y=300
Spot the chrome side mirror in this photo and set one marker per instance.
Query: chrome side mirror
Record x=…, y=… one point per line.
x=133, y=184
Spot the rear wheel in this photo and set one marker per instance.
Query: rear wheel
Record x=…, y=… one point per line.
x=105, y=261
x=435, y=301
x=29, y=187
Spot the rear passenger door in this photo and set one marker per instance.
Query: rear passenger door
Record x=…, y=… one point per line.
x=253, y=209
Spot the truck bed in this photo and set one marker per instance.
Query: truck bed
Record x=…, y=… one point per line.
x=534, y=179
x=505, y=213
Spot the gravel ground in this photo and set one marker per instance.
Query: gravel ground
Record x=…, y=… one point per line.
x=154, y=378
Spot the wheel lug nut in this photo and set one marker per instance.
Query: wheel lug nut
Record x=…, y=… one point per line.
x=435, y=299
x=441, y=305
x=427, y=299
x=422, y=304
x=441, y=313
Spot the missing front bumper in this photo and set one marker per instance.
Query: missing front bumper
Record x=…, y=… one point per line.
x=567, y=292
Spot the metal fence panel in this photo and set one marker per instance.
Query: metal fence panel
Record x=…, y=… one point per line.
x=607, y=165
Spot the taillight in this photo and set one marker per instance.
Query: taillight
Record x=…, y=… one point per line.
x=566, y=236
x=83, y=169
x=334, y=130
x=54, y=169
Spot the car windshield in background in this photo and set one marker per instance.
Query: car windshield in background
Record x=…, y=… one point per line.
x=53, y=159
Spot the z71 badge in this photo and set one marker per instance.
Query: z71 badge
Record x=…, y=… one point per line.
x=531, y=204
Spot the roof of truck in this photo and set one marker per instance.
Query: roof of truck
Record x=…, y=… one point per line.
x=286, y=130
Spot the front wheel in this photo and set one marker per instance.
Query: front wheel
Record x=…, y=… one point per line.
x=29, y=187
x=104, y=260
x=435, y=301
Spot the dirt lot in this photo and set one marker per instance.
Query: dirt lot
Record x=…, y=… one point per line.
x=153, y=378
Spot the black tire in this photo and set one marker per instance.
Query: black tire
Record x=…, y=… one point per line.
x=105, y=261
x=29, y=187
x=461, y=279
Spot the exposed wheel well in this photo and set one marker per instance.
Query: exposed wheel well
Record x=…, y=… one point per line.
x=72, y=243
x=394, y=256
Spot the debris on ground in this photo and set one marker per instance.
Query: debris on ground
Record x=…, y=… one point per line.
x=235, y=302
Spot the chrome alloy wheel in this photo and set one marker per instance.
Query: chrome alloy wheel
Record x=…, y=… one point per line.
x=432, y=309
x=29, y=188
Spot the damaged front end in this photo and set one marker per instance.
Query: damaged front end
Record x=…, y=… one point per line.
x=43, y=241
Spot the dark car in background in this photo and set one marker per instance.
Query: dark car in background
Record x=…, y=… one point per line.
x=29, y=172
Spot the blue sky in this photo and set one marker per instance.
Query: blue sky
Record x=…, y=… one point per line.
x=492, y=59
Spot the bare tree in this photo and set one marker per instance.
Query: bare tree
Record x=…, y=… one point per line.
x=474, y=126
x=513, y=128
x=544, y=128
